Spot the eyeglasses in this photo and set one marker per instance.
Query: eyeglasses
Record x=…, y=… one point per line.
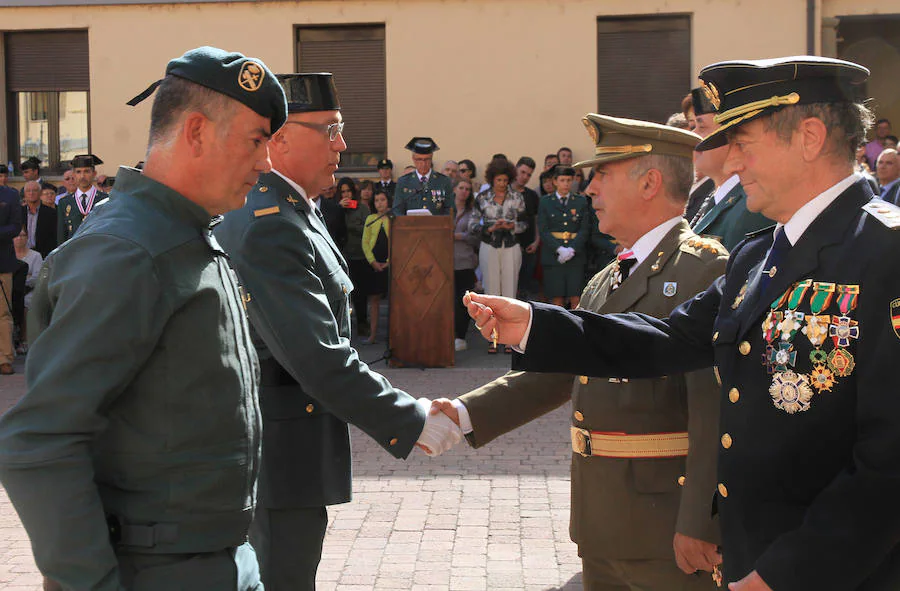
x=332, y=130
x=461, y=169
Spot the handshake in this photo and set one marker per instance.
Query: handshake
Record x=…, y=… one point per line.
x=564, y=253
x=442, y=429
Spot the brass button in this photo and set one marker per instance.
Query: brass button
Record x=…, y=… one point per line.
x=772, y=271
x=344, y=289
x=744, y=348
x=723, y=492
x=726, y=441
x=583, y=380
x=579, y=416
x=393, y=441
x=734, y=395
x=309, y=408
x=681, y=480
x=715, y=336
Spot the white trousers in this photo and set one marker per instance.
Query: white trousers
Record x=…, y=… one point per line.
x=500, y=267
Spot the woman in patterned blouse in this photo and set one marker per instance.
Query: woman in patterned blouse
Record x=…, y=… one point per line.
x=498, y=215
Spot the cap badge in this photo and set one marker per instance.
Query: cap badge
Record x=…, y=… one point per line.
x=712, y=93
x=592, y=130
x=251, y=76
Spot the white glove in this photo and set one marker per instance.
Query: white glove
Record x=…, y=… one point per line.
x=440, y=433
x=564, y=253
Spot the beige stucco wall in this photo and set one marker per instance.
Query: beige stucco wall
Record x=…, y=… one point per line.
x=479, y=76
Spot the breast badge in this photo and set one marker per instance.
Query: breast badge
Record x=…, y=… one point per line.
x=670, y=288
x=895, y=316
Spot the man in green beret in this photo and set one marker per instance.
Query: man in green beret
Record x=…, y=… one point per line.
x=424, y=187
x=132, y=458
x=313, y=382
x=74, y=206
x=644, y=451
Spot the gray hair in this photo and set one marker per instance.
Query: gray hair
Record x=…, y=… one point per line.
x=847, y=125
x=175, y=97
x=677, y=173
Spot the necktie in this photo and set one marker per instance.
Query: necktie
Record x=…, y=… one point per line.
x=780, y=247
x=625, y=260
x=563, y=201
x=84, y=201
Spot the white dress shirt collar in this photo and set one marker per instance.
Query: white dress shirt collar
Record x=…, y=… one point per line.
x=803, y=217
x=423, y=178
x=646, y=244
x=725, y=188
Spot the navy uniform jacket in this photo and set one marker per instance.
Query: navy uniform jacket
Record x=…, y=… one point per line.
x=10, y=226
x=313, y=382
x=729, y=221
x=68, y=216
x=390, y=188
x=808, y=488
x=436, y=195
x=576, y=218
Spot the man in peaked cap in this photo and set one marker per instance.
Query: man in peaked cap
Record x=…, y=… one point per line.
x=312, y=385
x=723, y=215
x=633, y=441
x=386, y=177
x=424, y=187
x=74, y=206
x=803, y=329
x=133, y=457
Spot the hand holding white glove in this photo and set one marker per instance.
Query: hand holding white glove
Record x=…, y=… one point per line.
x=439, y=434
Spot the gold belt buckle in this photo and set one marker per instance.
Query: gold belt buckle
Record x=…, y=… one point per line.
x=581, y=442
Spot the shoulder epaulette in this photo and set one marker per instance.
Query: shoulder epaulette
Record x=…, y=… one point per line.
x=265, y=211
x=701, y=244
x=885, y=212
x=761, y=231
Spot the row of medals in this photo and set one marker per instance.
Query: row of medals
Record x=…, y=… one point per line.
x=792, y=391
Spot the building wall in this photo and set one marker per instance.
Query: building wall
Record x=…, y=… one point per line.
x=479, y=76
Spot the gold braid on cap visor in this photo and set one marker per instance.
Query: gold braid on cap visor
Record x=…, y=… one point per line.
x=775, y=101
x=601, y=150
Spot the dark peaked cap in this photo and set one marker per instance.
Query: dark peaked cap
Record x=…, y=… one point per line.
x=422, y=145
x=86, y=161
x=310, y=92
x=245, y=79
x=741, y=91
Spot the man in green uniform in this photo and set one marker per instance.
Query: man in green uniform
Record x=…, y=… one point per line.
x=424, y=187
x=723, y=215
x=564, y=219
x=132, y=458
x=634, y=441
x=313, y=382
x=74, y=206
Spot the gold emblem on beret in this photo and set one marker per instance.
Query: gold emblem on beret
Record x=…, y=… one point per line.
x=712, y=93
x=592, y=130
x=251, y=76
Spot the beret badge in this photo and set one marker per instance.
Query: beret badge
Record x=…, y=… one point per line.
x=251, y=76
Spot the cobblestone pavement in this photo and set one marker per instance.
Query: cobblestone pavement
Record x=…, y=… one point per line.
x=494, y=519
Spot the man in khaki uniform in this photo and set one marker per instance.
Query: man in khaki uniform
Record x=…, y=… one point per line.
x=643, y=463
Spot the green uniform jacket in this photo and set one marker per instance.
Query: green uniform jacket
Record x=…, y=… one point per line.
x=313, y=381
x=729, y=221
x=628, y=508
x=436, y=195
x=68, y=216
x=143, y=410
x=576, y=217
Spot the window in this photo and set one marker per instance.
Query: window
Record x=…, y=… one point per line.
x=355, y=55
x=48, y=95
x=643, y=66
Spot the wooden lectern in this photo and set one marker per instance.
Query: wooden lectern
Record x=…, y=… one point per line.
x=421, y=298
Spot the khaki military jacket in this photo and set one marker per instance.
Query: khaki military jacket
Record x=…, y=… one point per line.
x=629, y=508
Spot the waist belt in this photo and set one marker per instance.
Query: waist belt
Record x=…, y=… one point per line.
x=142, y=536
x=620, y=445
x=564, y=235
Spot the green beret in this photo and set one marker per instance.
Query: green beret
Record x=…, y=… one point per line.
x=245, y=79
x=741, y=91
x=616, y=138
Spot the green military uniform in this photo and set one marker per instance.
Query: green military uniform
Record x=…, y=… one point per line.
x=69, y=216
x=729, y=221
x=626, y=510
x=139, y=434
x=436, y=195
x=133, y=457
x=567, y=225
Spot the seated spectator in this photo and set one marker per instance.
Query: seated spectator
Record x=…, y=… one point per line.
x=888, y=173
x=465, y=259
x=34, y=260
x=40, y=220
x=377, y=248
x=862, y=169
x=355, y=214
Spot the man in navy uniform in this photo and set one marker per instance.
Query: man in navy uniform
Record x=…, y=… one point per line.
x=386, y=177
x=803, y=330
x=313, y=382
x=74, y=207
x=424, y=187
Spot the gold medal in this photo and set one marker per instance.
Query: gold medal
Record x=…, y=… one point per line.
x=822, y=379
x=841, y=362
x=816, y=329
x=790, y=392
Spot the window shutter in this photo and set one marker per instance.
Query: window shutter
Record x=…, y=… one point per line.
x=47, y=60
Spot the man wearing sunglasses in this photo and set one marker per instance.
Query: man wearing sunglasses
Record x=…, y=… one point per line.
x=297, y=294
